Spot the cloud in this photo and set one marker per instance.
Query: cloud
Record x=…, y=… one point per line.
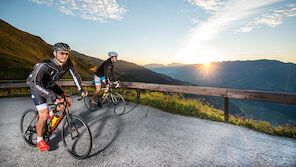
x=272, y=18
x=228, y=15
x=231, y=13
x=195, y=21
x=246, y=29
x=97, y=10
x=208, y=5
x=43, y=2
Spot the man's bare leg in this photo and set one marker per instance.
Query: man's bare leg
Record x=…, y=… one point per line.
x=96, y=94
x=43, y=114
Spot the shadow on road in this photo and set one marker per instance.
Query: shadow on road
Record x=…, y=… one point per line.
x=105, y=127
x=129, y=110
x=54, y=141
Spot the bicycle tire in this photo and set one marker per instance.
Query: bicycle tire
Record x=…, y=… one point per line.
x=30, y=134
x=74, y=128
x=87, y=103
x=118, y=103
x=28, y=126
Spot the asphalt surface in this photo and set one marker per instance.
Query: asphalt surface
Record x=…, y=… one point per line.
x=145, y=137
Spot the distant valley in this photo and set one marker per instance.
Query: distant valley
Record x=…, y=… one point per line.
x=264, y=75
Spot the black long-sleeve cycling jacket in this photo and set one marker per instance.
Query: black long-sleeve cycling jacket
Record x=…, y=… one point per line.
x=103, y=70
x=46, y=73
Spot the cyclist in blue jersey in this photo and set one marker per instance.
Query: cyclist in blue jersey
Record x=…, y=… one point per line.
x=101, y=74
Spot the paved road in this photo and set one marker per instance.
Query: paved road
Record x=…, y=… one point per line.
x=145, y=137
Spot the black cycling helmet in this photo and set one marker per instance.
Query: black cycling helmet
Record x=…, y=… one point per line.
x=61, y=47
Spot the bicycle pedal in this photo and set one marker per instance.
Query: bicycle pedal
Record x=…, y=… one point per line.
x=100, y=105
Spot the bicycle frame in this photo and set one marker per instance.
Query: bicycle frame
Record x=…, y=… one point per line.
x=59, y=120
x=66, y=112
x=112, y=97
x=109, y=93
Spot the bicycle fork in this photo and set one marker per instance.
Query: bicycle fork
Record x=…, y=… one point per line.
x=114, y=100
x=70, y=125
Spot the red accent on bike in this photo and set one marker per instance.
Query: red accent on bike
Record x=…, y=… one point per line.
x=42, y=146
x=51, y=117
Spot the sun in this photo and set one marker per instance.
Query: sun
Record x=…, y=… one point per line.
x=207, y=70
x=207, y=57
x=207, y=64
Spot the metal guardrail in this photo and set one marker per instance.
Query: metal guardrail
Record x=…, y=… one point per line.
x=278, y=97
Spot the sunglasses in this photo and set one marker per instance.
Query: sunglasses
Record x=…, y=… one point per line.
x=64, y=53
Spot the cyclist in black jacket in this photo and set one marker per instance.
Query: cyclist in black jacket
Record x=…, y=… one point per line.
x=101, y=74
x=42, y=81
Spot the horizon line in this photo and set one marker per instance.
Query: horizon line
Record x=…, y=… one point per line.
x=166, y=64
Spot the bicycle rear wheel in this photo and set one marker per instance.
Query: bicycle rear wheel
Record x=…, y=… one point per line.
x=89, y=105
x=117, y=103
x=28, y=127
x=77, y=137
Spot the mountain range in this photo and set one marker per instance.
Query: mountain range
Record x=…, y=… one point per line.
x=263, y=75
x=266, y=75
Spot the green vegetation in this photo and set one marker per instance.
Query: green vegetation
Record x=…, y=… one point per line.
x=177, y=104
x=15, y=92
x=20, y=92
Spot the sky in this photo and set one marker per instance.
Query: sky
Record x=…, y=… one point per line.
x=163, y=31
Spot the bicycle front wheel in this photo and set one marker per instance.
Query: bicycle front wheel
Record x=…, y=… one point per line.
x=77, y=137
x=117, y=102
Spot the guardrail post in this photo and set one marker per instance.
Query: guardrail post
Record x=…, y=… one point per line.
x=226, y=108
x=138, y=94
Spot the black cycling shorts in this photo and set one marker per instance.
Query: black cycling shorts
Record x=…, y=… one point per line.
x=40, y=101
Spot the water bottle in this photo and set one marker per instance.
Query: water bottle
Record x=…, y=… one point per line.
x=104, y=95
x=54, y=120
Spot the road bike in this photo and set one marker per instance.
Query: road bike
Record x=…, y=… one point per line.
x=76, y=134
x=113, y=99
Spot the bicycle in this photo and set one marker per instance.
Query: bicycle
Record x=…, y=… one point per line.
x=76, y=134
x=113, y=99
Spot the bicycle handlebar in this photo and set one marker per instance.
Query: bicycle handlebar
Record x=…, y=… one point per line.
x=114, y=84
x=63, y=97
x=71, y=94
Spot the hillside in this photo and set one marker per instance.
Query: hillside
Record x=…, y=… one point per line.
x=19, y=51
x=153, y=66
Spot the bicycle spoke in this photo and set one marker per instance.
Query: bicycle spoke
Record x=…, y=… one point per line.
x=28, y=126
x=77, y=137
x=118, y=102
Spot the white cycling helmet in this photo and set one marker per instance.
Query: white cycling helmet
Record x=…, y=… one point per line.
x=112, y=54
